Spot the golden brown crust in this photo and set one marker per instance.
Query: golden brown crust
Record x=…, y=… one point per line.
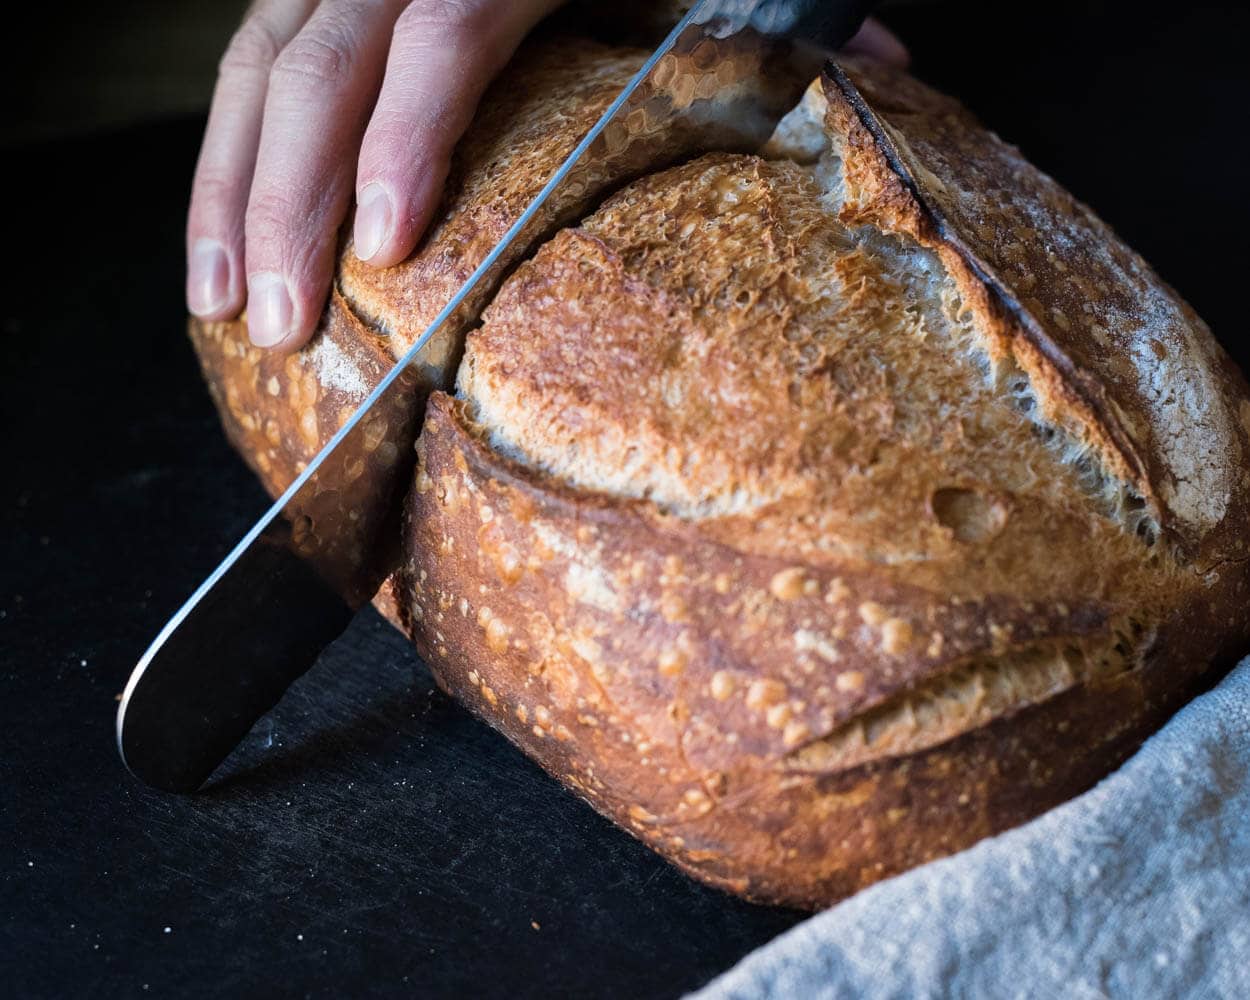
x=280, y=411
x=528, y=122
x=655, y=672
x=825, y=434
x=811, y=515
x=776, y=527
x=1113, y=352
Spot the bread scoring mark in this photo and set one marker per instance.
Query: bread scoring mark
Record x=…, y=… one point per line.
x=1086, y=302
x=1115, y=498
x=661, y=456
x=972, y=694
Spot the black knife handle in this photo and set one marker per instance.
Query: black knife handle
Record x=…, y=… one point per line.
x=828, y=24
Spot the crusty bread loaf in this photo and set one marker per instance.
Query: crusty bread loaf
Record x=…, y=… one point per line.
x=281, y=411
x=812, y=513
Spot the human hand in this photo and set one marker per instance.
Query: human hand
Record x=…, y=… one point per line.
x=318, y=102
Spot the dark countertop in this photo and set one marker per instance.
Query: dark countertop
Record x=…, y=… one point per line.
x=371, y=837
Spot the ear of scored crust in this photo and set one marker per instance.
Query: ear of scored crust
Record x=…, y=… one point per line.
x=1113, y=356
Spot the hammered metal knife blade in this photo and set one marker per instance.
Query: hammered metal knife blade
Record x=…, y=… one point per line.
x=293, y=583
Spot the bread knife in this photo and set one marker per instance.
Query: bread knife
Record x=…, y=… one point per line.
x=293, y=583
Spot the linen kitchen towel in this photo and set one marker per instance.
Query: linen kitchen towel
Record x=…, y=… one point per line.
x=1138, y=888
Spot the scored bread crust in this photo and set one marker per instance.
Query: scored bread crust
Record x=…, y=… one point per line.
x=280, y=411
x=797, y=646
x=1115, y=355
x=659, y=704
x=797, y=616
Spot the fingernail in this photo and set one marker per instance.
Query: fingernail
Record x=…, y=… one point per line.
x=208, y=277
x=373, y=220
x=269, y=309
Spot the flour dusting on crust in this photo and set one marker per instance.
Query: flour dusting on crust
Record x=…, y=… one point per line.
x=1192, y=426
x=336, y=369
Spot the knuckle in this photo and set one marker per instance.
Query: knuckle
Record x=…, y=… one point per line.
x=269, y=216
x=216, y=194
x=316, y=60
x=391, y=134
x=402, y=144
x=459, y=24
x=252, y=50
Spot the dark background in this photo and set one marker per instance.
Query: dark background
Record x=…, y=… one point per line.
x=372, y=838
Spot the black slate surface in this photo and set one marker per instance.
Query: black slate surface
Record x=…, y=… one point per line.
x=371, y=838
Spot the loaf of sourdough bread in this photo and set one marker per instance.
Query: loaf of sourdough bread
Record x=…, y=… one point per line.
x=812, y=513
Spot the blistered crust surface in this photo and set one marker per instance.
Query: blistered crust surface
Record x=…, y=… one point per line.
x=1126, y=344
x=774, y=525
x=714, y=340
x=740, y=529
x=528, y=122
x=736, y=713
x=281, y=410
